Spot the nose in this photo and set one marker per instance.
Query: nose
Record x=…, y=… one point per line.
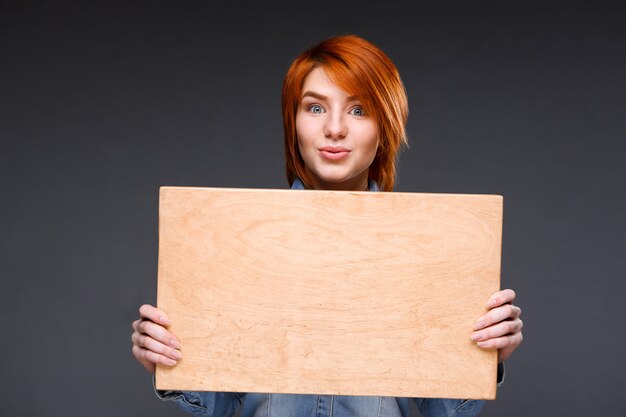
x=335, y=126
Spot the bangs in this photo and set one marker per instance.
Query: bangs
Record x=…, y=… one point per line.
x=351, y=81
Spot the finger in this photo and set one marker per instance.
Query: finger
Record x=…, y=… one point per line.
x=150, y=359
x=501, y=297
x=135, y=325
x=505, y=353
x=148, y=343
x=158, y=332
x=158, y=359
x=149, y=312
x=496, y=315
x=140, y=357
x=508, y=342
x=497, y=330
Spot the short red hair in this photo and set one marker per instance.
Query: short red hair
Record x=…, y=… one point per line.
x=362, y=70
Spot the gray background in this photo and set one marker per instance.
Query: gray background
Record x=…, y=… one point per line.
x=102, y=102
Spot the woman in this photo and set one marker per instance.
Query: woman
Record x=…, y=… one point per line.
x=344, y=115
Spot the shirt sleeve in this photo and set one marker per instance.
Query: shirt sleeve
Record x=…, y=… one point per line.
x=201, y=403
x=441, y=407
x=500, y=378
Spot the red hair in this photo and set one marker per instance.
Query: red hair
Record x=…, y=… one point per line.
x=362, y=70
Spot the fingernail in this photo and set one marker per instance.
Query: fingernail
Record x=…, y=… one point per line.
x=164, y=320
x=476, y=336
x=169, y=361
x=176, y=354
x=482, y=344
x=492, y=303
x=479, y=325
x=175, y=344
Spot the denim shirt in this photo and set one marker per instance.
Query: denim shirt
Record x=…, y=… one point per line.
x=227, y=404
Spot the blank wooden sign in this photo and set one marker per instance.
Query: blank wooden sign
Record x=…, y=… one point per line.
x=328, y=292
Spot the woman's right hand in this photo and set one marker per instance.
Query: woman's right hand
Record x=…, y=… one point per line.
x=152, y=342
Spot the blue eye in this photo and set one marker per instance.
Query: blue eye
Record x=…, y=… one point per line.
x=357, y=111
x=316, y=109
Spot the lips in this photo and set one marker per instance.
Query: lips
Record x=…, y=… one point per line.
x=334, y=153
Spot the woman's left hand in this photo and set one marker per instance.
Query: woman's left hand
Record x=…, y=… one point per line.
x=500, y=328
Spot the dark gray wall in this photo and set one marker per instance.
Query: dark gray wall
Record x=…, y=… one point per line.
x=102, y=103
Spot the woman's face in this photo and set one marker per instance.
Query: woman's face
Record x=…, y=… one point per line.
x=337, y=138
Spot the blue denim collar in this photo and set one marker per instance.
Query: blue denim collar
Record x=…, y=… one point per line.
x=298, y=185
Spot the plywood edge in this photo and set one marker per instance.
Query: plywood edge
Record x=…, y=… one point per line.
x=165, y=189
x=163, y=383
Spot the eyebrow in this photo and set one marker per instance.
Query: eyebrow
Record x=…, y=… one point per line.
x=323, y=97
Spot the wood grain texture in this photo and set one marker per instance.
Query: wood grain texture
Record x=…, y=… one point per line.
x=328, y=292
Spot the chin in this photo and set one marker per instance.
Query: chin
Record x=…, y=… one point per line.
x=335, y=179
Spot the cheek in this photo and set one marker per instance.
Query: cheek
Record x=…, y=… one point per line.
x=304, y=132
x=375, y=132
x=370, y=139
x=376, y=143
x=299, y=125
x=373, y=150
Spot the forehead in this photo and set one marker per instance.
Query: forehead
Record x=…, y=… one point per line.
x=319, y=82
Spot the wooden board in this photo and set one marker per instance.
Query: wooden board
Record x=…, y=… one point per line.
x=328, y=292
